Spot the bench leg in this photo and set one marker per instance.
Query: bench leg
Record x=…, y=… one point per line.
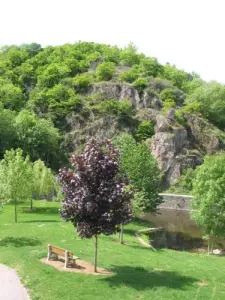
x=66, y=258
x=49, y=252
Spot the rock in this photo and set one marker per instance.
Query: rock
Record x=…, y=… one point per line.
x=171, y=148
x=121, y=91
x=204, y=135
x=150, y=99
x=218, y=252
x=147, y=114
x=112, y=90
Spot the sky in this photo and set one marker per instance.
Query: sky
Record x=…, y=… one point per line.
x=187, y=33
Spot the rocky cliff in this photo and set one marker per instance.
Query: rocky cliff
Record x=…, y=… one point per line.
x=175, y=146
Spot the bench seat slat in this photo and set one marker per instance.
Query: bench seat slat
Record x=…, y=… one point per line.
x=60, y=251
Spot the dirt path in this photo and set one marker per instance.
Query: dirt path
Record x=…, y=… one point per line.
x=10, y=285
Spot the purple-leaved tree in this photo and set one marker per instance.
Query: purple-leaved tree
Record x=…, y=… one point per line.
x=95, y=196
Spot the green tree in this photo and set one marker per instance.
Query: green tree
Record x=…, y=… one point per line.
x=11, y=96
x=43, y=180
x=208, y=205
x=142, y=170
x=38, y=138
x=129, y=55
x=211, y=97
x=15, y=177
x=7, y=130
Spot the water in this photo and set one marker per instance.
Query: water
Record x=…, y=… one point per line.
x=175, y=221
x=181, y=232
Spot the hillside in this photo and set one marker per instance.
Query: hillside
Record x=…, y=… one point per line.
x=52, y=99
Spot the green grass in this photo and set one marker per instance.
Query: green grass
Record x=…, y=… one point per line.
x=138, y=272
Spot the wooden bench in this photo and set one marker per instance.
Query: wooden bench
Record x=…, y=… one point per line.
x=65, y=254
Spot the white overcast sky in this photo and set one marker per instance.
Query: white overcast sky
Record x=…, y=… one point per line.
x=187, y=33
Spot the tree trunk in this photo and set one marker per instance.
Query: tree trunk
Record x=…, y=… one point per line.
x=31, y=203
x=212, y=245
x=209, y=245
x=15, y=202
x=96, y=253
x=121, y=233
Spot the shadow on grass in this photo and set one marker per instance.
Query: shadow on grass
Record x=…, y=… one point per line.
x=140, y=278
x=19, y=242
x=41, y=221
x=42, y=210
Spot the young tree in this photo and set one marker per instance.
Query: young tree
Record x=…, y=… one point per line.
x=43, y=180
x=95, y=197
x=15, y=177
x=142, y=170
x=209, y=201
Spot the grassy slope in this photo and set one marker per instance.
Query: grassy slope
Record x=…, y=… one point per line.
x=139, y=273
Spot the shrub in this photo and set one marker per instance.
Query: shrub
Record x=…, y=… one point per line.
x=81, y=82
x=131, y=75
x=105, y=71
x=145, y=130
x=167, y=94
x=140, y=84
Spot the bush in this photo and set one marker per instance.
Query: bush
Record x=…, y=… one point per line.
x=121, y=109
x=140, y=84
x=81, y=82
x=105, y=71
x=145, y=130
x=168, y=104
x=168, y=94
x=130, y=76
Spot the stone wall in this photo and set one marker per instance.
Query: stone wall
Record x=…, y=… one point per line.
x=176, y=202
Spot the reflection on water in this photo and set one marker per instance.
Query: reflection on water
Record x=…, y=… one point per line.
x=181, y=231
x=174, y=221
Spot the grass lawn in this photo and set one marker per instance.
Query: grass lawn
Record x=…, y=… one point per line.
x=138, y=272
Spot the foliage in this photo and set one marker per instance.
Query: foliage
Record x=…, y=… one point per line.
x=168, y=104
x=208, y=191
x=140, y=84
x=142, y=170
x=149, y=66
x=105, y=71
x=15, y=177
x=185, y=182
x=121, y=109
x=130, y=76
x=210, y=97
x=7, y=132
x=43, y=180
x=81, y=82
x=129, y=55
x=95, y=197
x=168, y=95
x=144, y=131
x=38, y=138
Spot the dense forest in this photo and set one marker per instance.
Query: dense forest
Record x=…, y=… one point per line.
x=52, y=99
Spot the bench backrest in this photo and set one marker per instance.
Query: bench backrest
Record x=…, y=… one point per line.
x=60, y=251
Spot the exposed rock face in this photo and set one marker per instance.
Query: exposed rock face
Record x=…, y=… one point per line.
x=174, y=146
x=203, y=135
x=101, y=128
x=171, y=148
x=111, y=90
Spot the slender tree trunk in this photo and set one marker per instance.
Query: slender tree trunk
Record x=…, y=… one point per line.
x=96, y=253
x=121, y=233
x=212, y=245
x=31, y=203
x=15, y=203
x=209, y=245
